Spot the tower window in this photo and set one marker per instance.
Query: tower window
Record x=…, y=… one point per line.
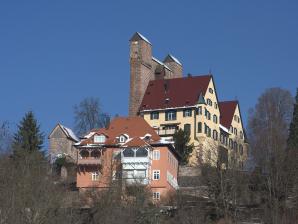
x=211, y=90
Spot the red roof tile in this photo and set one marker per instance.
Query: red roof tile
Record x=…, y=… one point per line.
x=171, y=93
x=227, y=110
x=135, y=142
x=131, y=126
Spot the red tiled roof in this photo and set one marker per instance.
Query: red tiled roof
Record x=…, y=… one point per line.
x=131, y=126
x=171, y=93
x=227, y=110
x=135, y=142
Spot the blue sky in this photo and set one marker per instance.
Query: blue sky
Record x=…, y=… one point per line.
x=55, y=53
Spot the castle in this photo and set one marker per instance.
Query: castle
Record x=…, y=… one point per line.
x=140, y=147
x=168, y=101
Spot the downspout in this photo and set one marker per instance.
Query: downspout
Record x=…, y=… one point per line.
x=195, y=124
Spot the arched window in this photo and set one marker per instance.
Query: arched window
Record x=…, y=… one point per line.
x=187, y=129
x=215, y=135
x=199, y=127
x=215, y=119
x=209, y=102
x=241, y=149
x=231, y=143
x=241, y=135
x=128, y=153
x=199, y=110
x=235, y=131
x=236, y=147
x=141, y=152
x=84, y=154
x=95, y=154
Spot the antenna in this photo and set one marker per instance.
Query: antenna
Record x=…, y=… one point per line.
x=210, y=71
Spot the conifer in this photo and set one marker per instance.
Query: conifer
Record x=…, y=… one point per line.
x=28, y=137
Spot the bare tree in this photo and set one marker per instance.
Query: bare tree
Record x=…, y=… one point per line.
x=29, y=194
x=5, y=137
x=89, y=115
x=268, y=133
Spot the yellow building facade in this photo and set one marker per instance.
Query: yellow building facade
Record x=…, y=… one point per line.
x=215, y=128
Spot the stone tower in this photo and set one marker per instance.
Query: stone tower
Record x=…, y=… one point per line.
x=144, y=67
x=140, y=70
x=175, y=65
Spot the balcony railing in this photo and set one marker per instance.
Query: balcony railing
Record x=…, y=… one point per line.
x=135, y=159
x=166, y=131
x=89, y=161
x=133, y=181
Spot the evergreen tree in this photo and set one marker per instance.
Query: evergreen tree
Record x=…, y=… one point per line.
x=181, y=142
x=293, y=135
x=28, y=137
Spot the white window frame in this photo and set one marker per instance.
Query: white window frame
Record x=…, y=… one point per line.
x=171, y=115
x=99, y=138
x=187, y=113
x=154, y=115
x=155, y=172
x=156, y=196
x=122, y=139
x=156, y=154
x=95, y=176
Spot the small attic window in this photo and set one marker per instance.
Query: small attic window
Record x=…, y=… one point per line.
x=147, y=137
x=99, y=139
x=122, y=139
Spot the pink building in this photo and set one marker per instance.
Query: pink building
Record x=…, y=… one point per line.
x=130, y=150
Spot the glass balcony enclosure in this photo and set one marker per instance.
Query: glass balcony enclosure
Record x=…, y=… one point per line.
x=135, y=155
x=89, y=157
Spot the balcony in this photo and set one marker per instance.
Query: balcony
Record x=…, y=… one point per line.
x=163, y=132
x=137, y=181
x=89, y=161
x=135, y=159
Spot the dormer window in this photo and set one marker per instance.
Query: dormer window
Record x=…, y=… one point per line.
x=99, y=139
x=122, y=139
x=147, y=137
